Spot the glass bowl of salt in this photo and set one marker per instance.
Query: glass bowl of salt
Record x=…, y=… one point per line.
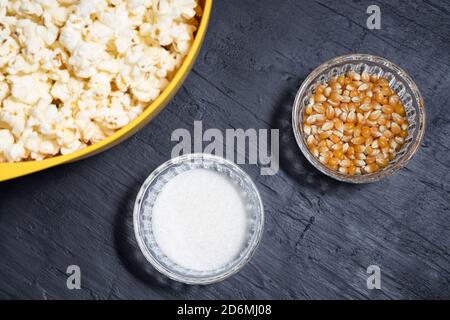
x=198, y=218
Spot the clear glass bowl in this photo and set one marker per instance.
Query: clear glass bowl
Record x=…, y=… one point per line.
x=399, y=81
x=148, y=193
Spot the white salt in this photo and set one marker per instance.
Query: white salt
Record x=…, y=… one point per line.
x=199, y=220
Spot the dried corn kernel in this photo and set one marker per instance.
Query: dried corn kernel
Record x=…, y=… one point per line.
x=355, y=123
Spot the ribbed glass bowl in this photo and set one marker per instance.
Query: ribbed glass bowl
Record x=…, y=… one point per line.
x=399, y=81
x=143, y=213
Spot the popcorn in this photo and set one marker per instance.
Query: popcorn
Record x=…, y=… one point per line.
x=45, y=116
x=135, y=7
x=56, y=14
x=71, y=35
x=72, y=72
x=4, y=90
x=147, y=89
x=48, y=147
x=112, y=118
x=15, y=152
x=22, y=65
x=74, y=146
x=29, y=88
x=66, y=90
x=90, y=131
x=6, y=140
x=84, y=58
x=31, y=140
x=178, y=8
x=88, y=7
x=100, y=85
x=120, y=27
x=100, y=33
x=9, y=49
x=109, y=65
x=26, y=7
x=13, y=116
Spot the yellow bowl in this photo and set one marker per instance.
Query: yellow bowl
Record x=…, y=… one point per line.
x=14, y=170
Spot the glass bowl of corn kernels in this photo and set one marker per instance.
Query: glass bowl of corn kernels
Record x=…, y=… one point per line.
x=358, y=118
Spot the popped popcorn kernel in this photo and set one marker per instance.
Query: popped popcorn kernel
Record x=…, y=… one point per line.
x=72, y=72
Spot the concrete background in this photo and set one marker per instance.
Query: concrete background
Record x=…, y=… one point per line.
x=320, y=234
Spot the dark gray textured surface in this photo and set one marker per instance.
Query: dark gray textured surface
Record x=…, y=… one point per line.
x=320, y=234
